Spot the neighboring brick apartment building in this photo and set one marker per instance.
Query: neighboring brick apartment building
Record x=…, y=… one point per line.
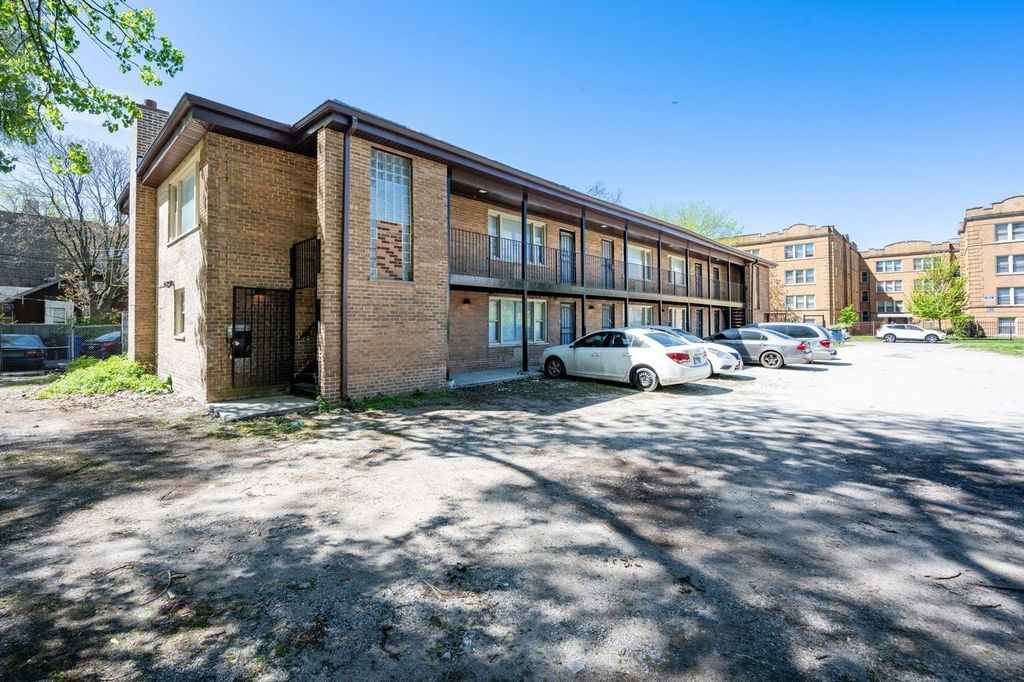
x=817, y=273
x=360, y=257
x=992, y=256
x=888, y=278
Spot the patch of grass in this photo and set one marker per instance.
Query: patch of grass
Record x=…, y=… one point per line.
x=383, y=403
x=267, y=427
x=1004, y=346
x=104, y=377
x=864, y=338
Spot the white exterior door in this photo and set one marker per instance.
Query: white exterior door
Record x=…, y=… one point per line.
x=58, y=312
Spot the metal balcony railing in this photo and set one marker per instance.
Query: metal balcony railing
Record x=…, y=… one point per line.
x=480, y=255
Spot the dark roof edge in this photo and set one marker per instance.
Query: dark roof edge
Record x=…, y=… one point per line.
x=216, y=115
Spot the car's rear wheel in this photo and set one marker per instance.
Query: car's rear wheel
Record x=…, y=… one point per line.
x=772, y=360
x=554, y=368
x=644, y=379
x=889, y=338
x=931, y=338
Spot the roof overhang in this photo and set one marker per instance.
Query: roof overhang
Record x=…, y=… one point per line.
x=194, y=116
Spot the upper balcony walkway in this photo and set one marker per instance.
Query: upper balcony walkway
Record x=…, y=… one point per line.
x=480, y=260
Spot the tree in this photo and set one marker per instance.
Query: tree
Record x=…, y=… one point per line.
x=41, y=77
x=601, y=191
x=81, y=213
x=848, y=317
x=698, y=217
x=941, y=294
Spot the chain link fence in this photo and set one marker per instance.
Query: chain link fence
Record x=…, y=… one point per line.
x=27, y=347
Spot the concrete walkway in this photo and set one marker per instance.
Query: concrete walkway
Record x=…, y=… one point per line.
x=491, y=376
x=267, y=406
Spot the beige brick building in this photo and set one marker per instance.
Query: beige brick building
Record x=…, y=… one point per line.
x=992, y=257
x=347, y=256
x=888, y=278
x=816, y=275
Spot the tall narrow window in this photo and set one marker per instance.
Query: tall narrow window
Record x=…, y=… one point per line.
x=181, y=204
x=390, y=216
x=179, y=312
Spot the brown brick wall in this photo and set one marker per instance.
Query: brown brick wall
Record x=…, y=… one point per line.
x=978, y=251
x=330, y=168
x=397, y=331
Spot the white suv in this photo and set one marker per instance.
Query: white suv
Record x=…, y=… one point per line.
x=891, y=333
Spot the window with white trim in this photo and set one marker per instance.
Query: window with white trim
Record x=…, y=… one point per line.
x=926, y=263
x=889, y=266
x=1009, y=232
x=506, y=237
x=641, y=315
x=800, y=276
x=889, y=307
x=179, y=312
x=677, y=317
x=639, y=263
x=676, y=270
x=1006, y=326
x=1010, y=296
x=505, y=321
x=889, y=286
x=754, y=252
x=1006, y=265
x=794, y=251
x=800, y=302
x=182, y=207
x=390, y=216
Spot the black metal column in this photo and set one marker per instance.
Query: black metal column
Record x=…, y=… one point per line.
x=583, y=269
x=524, y=311
x=448, y=289
x=658, y=273
x=625, y=272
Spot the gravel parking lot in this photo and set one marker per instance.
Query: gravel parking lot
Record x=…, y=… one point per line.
x=852, y=520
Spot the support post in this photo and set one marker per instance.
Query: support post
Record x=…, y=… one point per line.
x=448, y=289
x=625, y=272
x=524, y=312
x=583, y=269
x=658, y=273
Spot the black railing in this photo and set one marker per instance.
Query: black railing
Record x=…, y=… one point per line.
x=480, y=255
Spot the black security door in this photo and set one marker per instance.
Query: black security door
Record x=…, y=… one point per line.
x=262, y=333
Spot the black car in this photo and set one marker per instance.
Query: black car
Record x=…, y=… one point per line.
x=103, y=346
x=22, y=352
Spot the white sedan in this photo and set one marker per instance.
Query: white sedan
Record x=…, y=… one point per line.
x=890, y=333
x=646, y=358
x=724, y=360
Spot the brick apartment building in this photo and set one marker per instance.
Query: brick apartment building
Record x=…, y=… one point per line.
x=347, y=255
x=888, y=278
x=817, y=273
x=992, y=256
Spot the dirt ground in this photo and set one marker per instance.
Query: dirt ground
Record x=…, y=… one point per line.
x=856, y=521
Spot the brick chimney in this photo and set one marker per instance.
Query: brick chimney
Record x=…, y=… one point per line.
x=145, y=129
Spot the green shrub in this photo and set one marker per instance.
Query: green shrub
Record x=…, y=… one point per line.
x=81, y=363
x=89, y=376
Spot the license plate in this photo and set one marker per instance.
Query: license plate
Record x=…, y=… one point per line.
x=698, y=358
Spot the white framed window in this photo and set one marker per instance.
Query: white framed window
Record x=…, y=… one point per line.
x=505, y=321
x=1010, y=296
x=754, y=252
x=639, y=263
x=925, y=263
x=924, y=285
x=889, y=266
x=800, y=302
x=805, y=276
x=641, y=315
x=390, y=216
x=57, y=312
x=889, y=307
x=677, y=317
x=506, y=238
x=179, y=312
x=889, y=286
x=1006, y=265
x=1009, y=232
x=1006, y=326
x=676, y=270
x=794, y=251
x=182, y=207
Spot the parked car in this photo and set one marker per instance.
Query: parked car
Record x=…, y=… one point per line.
x=103, y=346
x=646, y=358
x=817, y=337
x=22, y=352
x=890, y=333
x=724, y=360
x=766, y=347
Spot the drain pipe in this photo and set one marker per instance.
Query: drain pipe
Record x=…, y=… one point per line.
x=345, y=175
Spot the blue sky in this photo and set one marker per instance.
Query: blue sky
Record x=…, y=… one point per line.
x=886, y=119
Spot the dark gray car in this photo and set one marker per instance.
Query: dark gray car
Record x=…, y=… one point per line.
x=765, y=347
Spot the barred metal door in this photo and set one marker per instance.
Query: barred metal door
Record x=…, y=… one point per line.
x=567, y=323
x=567, y=257
x=262, y=337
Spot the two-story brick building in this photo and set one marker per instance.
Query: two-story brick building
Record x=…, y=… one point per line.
x=992, y=258
x=817, y=271
x=347, y=255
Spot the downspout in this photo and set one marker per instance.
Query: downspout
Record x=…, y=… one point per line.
x=345, y=175
x=448, y=289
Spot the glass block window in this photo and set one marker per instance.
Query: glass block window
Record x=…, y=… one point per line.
x=390, y=216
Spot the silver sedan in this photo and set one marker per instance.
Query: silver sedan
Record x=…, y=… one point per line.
x=765, y=347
